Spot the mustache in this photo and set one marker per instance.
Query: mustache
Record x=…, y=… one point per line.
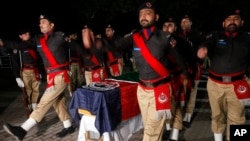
x=144, y=20
x=232, y=25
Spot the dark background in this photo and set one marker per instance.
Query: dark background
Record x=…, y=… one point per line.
x=72, y=15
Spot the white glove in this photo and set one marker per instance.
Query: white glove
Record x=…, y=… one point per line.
x=161, y=113
x=20, y=82
x=69, y=73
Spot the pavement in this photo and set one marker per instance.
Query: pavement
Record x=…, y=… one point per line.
x=13, y=112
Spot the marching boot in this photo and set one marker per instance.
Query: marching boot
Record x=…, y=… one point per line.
x=218, y=137
x=174, y=135
x=16, y=131
x=166, y=132
x=187, y=120
x=66, y=131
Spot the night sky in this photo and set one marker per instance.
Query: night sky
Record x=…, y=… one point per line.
x=17, y=14
x=21, y=14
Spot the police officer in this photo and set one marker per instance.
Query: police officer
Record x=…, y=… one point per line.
x=113, y=49
x=54, y=54
x=25, y=65
x=150, y=49
x=180, y=85
x=227, y=87
x=76, y=65
x=194, y=37
x=94, y=66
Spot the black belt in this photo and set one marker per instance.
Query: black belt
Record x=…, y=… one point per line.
x=226, y=78
x=75, y=62
x=29, y=66
x=155, y=84
x=56, y=69
x=93, y=68
x=114, y=62
x=176, y=73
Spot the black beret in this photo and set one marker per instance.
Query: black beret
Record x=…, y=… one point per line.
x=232, y=11
x=109, y=26
x=147, y=5
x=170, y=19
x=23, y=30
x=186, y=16
x=47, y=17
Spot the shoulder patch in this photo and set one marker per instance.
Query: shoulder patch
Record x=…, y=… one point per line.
x=15, y=51
x=60, y=33
x=209, y=36
x=173, y=42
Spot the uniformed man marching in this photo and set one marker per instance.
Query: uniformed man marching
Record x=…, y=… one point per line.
x=227, y=86
x=52, y=47
x=151, y=47
x=26, y=65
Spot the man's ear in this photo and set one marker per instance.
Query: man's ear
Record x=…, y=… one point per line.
x=157, y=17
x=242, y=22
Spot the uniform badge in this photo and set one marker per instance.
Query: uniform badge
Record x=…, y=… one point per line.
x=241, y=89
x=96, y=75
x=173, y=43
x=162, y=98
x=148, y=4
x=15, y=51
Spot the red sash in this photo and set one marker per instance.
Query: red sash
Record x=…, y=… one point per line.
x=53, y=63
x=199, y=72
x=98, y=74
x=114, y=67
x=34, y=56
x=242, y=91
x=162, y=92
x=179, y=89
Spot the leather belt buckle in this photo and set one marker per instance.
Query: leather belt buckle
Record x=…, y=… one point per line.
x=226, y=79
x=148, y=84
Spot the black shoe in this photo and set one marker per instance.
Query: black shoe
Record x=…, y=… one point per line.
x=65, y=131
x=165, y=135
x=16, y=131
x=187, y=124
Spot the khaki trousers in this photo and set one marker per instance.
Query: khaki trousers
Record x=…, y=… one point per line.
x=76, y=78
x=192, y=98
x=54, y=97
x=31, y=85
x=88, y=76
x=177, y=113
x=225, y=106
x=153, y=127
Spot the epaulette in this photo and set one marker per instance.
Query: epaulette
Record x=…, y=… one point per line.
x=209, y=36
x=60, y=33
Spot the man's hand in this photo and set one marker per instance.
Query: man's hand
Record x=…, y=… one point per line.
x=202, y=52
x=20, y=82
x=88, y=37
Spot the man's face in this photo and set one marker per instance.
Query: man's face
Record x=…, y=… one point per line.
x=98, y=43
x=186, y=24
x=232, y=23
x=25, y=36
x=169, y=27
x=147, y=17
x=46, y=26
x=109, y=32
